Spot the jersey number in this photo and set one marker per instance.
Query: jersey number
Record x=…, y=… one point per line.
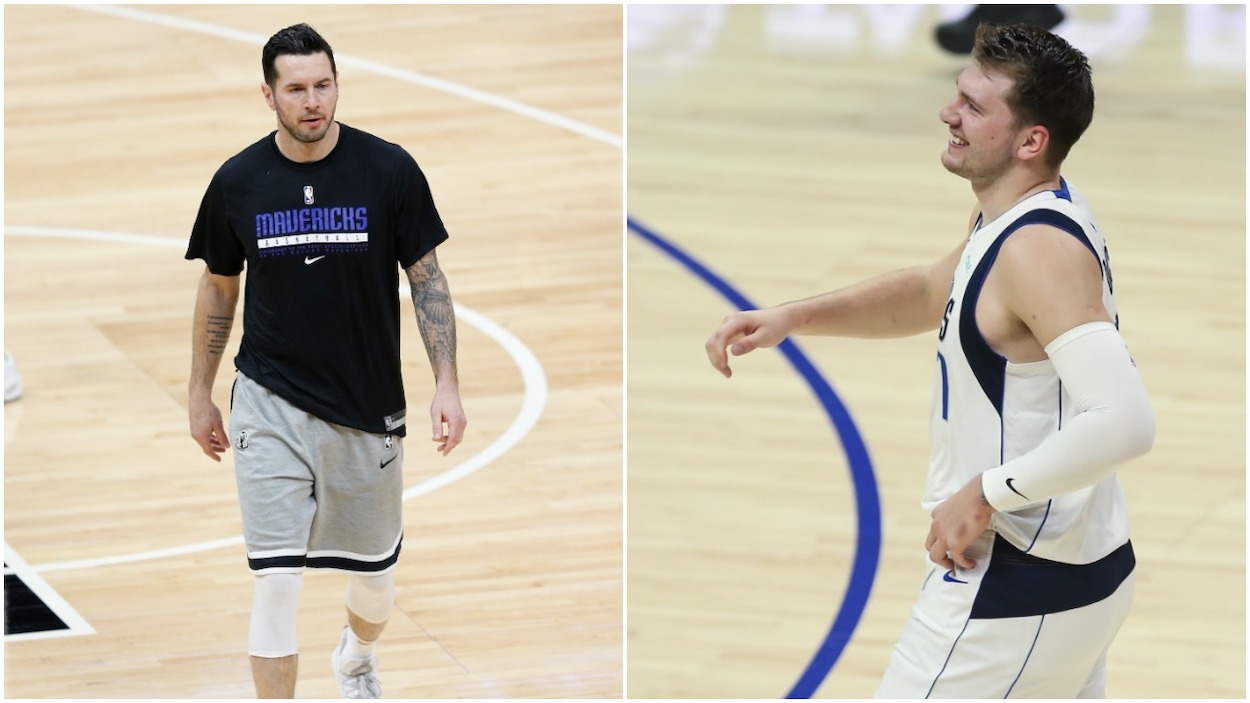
x=946, y=318
x=1106, y=268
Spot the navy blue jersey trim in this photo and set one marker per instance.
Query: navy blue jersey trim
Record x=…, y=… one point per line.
x=1040, y=525
x=949, y=654
x=1028, y=656
x=1019, y=585
x=987, y=365
x=927, y=579
x=1058, y=220
x=1060, y=427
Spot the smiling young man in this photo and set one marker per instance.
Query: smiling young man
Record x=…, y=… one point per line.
x=1036, y=399
x=323, y=216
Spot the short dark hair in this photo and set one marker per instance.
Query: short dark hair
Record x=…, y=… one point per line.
x=1053, y=86
x=298, y=39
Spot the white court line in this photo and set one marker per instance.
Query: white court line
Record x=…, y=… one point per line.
x=400, y=74
x=531, y=407
x=75, y=623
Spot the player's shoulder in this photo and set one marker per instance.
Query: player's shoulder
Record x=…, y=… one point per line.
x=248, y=160
x=1044, y=247
x=359, y=140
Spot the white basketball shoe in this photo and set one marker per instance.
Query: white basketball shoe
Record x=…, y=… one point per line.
x=358, y=678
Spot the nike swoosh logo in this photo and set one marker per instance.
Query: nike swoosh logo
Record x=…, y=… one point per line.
x=949, y=577
x=1013, y=490
x=383, y=466
x=314, y=259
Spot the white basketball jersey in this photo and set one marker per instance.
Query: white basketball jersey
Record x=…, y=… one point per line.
x=987, y=410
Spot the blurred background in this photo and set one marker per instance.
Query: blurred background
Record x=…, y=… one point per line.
x=791, y=150
x=125, y=576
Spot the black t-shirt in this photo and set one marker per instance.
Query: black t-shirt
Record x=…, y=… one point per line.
x=321, y=241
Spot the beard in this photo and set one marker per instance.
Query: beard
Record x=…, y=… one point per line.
x=301, y=132
x=978, y=166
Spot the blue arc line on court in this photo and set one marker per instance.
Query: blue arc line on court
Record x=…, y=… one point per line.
x=867, y=501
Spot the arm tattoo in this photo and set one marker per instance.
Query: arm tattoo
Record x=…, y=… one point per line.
x=436, y=318
x=218, y=333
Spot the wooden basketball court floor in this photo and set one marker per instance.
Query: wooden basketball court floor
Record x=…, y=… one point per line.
x=510, y=583
x=791, y=155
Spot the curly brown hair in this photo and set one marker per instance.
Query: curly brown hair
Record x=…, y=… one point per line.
x=1052, y=83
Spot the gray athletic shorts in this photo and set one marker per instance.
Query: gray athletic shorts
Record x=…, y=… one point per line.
x=313, y=494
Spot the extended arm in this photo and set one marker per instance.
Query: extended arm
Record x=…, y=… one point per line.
x=436, y=318
x=215, y=303
x=897, y=304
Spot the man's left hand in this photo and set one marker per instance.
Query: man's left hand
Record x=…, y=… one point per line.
x=448, y=420
x=957, y=523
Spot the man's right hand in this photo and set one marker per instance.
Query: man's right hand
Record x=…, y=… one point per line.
x=743, y=332
x=207, y=428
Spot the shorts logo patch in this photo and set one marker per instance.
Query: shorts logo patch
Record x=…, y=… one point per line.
x=390, y=441
x=241, y=441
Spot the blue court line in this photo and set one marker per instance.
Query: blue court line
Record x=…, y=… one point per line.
x=867, y=502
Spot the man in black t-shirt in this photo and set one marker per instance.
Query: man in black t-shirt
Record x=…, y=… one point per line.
x=323, y=216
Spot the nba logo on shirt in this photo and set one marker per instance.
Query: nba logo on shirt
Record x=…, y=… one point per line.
x=308, y=195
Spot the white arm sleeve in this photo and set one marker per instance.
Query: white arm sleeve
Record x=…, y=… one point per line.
x=1113, y=423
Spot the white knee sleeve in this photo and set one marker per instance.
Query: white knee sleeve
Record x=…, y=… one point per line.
x=272, y=633
x=369, y=596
